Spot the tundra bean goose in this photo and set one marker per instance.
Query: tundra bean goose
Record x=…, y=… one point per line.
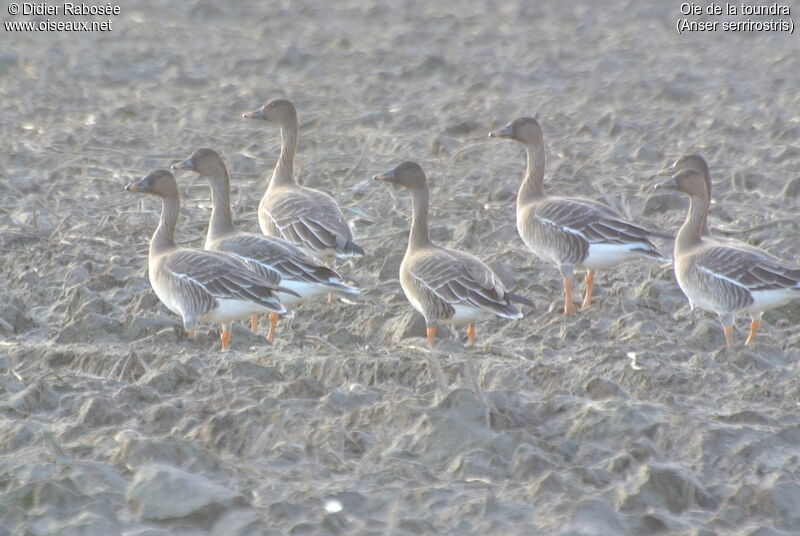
x=445, y=285
x=690, y=161
x=574, y=233
x=273, y=258
x=725, y=277
x=305, y=217
x=200, y=286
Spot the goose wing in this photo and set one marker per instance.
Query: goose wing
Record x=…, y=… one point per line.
x=200, y=278
x=448, y=278
x=272, y=255
x=748, y=267
x=594, y=222
x=313, y=220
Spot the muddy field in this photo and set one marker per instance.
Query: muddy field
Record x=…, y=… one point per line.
x=629, y=418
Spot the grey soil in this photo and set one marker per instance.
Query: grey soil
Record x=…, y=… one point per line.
x=628, y=418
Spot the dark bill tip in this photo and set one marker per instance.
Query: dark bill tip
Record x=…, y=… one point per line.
x=385, y=177
x=666, y=185
x=185, y=165
x=257, y=114
x=504, y=132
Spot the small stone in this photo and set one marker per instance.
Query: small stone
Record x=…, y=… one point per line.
x=600, y=388
x=303, y=388
x=529, y=462
x=663, y=487
x=160, y=492
x=100, y=411
x=162, y=417
x=78, y=274
x=35, y=397
x=173, y=377
x=410, y=324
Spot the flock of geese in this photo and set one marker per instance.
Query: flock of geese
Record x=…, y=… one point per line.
x=241, y=275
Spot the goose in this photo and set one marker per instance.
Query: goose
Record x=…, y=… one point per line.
x=690, y=161
x=198, y=285
x=272, y=258
x=445, y=285
x=724, y=276
x=305, y=217
x=574, y=233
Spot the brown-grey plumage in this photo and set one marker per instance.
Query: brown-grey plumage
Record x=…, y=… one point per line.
x=723, y=276
x=200, y=286
x=699, y=164
x=300, y=274
x=200, y=278
x=573, y=233
x=443, y=278
x=306, y=217
x=445, y=285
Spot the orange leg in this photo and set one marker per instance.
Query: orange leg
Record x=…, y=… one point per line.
x=225, y=339
x=754, y=325
x=330, y=297
x=190, y=334
x=253, y=323
x=589, y=280
x=728, y=335
x=568, y=308
x=471, y=334
x=273, y=322
x=431, y=332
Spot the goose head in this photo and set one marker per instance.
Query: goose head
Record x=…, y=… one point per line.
x=159, y=182
x=280, y=111
x=689, y=162
x=205, y=162
x=407, y=174
x=689, y=181
x=525, y=130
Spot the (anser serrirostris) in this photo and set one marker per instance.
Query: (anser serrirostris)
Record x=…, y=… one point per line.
x=305, y=217
x=722, y=276
x=198, y=285
x=271, y=257
x=574, y=233
x=690, y=161
x=445, y=285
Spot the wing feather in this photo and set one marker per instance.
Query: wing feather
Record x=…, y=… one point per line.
x=311, y=219
x=210, y=275
x=596, y=223
x=455, y=278
x=749, y=267
x=277, y=259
